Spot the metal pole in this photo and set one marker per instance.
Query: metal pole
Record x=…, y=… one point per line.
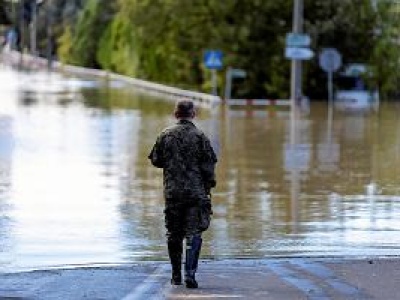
x=21, y=33
x=330, y=88
x=295, y=93
x=296, y=90
x=49, y=32
x=33, y=28
x=214, y=82
x=228, y=84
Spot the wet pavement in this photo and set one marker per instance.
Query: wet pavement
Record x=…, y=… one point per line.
x=288, y=278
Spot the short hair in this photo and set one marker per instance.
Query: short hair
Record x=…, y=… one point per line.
x=184, y=109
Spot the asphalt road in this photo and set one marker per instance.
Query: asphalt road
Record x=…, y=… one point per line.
x=281, y=279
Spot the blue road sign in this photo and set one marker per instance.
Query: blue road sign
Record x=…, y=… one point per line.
x=298, y=53
x=213, y=59
x=297, y=40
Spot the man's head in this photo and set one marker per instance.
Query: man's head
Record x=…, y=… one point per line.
x=184, y=109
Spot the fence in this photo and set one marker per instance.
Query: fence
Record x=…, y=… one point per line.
x=259, y=102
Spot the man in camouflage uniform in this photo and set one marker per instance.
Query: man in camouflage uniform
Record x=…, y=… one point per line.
x=188, y=162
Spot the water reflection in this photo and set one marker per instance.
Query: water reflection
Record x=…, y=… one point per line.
x=76, y=186
x=294, y=167
x=6, y=150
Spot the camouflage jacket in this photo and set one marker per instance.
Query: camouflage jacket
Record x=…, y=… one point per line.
x=188, y=162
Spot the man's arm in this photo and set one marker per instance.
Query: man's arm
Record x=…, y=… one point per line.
x=155, y=155
x=208, y=162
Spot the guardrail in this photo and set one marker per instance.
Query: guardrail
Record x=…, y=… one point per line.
x=259, y=113
x=151, y=88
x=258, y=102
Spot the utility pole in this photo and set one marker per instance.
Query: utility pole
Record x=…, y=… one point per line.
x=296, y=76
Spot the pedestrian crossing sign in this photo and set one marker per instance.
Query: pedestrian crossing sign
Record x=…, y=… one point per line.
x=213, y=59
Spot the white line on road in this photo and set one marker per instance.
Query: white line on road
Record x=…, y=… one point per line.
x=153, y=279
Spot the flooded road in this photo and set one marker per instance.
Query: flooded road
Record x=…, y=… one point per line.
x=76, y=186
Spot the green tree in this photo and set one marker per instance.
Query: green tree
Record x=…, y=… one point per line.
x=66, y=45
x=384, y=60
x=92, y=22
x=164, y=40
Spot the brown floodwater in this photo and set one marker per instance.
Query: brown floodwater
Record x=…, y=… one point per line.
x=76, y=186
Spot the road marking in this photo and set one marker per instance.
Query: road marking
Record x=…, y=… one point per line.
x=312, y=291
x=208, y=296
x=150, y=283
x=164, y=291
x=328, y=275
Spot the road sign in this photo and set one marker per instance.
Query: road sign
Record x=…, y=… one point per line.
x=330, y=60
x=213, y=59
x=230, y=74
x=298, y=53
x=297, y=40
x=239, y=73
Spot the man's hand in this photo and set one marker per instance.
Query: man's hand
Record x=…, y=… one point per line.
x=207, y=204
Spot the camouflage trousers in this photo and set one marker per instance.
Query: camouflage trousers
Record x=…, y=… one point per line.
x=181, y=220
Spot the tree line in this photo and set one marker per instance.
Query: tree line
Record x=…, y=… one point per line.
x=164, y=40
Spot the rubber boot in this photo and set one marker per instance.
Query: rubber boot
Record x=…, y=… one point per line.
x=193, y=247
x=175, y=255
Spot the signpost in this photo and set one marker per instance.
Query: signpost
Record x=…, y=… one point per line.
x=296, y=69
x=213, y=61
x=298, y=53
x=232, y=73
x=297, y=46
x=297, y=49
x=298, y=40
x=330, y=61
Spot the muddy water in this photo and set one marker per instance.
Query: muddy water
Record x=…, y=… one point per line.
x=76, y=186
